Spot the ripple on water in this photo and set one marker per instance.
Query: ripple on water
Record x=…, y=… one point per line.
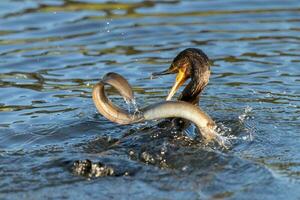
x=52, y=52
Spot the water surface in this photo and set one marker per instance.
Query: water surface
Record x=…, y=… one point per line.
x=52, y=52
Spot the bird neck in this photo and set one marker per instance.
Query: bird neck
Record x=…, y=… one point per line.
x=199, y=79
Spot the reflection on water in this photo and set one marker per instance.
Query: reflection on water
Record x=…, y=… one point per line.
x=52, y=52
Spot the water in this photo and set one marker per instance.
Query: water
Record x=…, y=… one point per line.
x=52, y=52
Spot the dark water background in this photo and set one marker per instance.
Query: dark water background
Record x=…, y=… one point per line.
x=52, y=52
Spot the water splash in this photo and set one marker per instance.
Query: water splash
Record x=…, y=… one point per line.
x=223, y=130
x=248, y=127
x=135, y=106
x=132, y=106
x=224, y=137
x=221, y=139
x=246, y=114
x=228, y=135
x=128, y=103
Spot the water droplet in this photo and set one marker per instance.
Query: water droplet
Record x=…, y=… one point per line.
x=184, y=168
x=131, y=153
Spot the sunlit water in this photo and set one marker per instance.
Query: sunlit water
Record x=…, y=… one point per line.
x=52, y=52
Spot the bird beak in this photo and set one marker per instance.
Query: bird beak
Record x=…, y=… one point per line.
x=165, y=72
x=180, y=79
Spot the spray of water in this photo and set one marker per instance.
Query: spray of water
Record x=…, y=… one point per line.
x=246, y=114
x=248, y=127
x=132, y=107
x=243, y=119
